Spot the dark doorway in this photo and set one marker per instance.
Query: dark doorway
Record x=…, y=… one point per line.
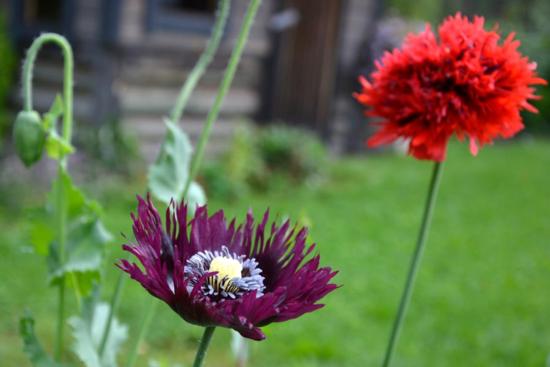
x=303, y=73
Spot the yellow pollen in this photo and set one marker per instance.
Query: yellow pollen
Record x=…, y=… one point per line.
x=226, y=268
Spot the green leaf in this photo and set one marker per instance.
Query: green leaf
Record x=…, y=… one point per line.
x=169, y=173
x=49, y=120
x=88, y=331
x=56, y=146
x=42, y=235
x=86, y=237
x=31, y=346
x=56, y=109
x=195, y=196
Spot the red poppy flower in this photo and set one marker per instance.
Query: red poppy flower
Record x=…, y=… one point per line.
x=466, y=83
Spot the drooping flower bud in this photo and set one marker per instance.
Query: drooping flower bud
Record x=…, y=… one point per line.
x=29, y=136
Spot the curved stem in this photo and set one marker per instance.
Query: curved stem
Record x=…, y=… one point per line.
x=142, y=331
x=415, y=262
x=203, y=62
x=203, y=346
x=115, y=300
x=222, y=91
x=68, y=65
x=61, y=221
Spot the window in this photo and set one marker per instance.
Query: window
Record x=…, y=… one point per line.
x=37, y=12
x=181, y=15
x=29, y=18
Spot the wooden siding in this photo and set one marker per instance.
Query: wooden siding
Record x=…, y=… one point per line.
x=152, y=66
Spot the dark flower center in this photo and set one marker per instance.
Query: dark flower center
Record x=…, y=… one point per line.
x=235, y=275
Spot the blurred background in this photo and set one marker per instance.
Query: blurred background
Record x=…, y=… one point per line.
x=291, y=137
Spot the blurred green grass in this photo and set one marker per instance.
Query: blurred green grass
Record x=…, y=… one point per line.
x=482, y=296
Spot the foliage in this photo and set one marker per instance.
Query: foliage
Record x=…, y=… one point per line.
x=497, y=297
x=33, y=348
x=7, y=68
x=169, y=174
x=528, y=19
x=293, y=151
x=88, y=331
x=113, y=147
x=534, y=32
x=87, y=236
x=425, y=10
x=261, y=159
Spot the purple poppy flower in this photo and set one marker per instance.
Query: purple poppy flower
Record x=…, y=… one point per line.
x=215, y=274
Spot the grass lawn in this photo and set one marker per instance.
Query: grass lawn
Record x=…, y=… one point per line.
x=482, y=296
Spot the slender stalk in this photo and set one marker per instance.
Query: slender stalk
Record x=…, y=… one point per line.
x=212, y=116
x=115, y=300
x=68, y=66
x=60, y=321
x=222, y=91
x=177, y=111
x=415, y=262
x=203, y=346
x=142, y=331
x=61, y=213
x=61, y=217
x=203, y=62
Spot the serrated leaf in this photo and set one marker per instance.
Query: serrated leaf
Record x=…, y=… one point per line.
x=86, y=236
x=56, y=146
x=31, y=346
x=88, y=332
x=168, y=175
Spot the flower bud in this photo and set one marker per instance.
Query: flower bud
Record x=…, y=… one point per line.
x=29, y=136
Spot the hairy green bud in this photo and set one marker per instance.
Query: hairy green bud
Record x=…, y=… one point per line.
x=29, y=136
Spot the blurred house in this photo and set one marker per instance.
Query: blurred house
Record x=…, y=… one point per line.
x=299, y=67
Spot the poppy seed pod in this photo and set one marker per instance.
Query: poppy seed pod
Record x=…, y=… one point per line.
x=29, y=136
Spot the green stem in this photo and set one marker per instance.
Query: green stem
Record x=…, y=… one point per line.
x=142, y=331
x=115, y=300
x=183, y=97
x=60, y=321
x=203, y=346
x=224, y=87
x=68, y=64
x=203, y=62
x=415, y=262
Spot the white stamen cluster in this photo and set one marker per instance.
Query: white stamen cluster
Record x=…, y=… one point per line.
x=235, y=275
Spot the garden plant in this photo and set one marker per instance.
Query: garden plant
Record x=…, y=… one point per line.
x=213, y=272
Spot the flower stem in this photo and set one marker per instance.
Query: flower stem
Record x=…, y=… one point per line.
x=203, y=62
x=61, y=220
x=415, y=262
x=222, y=91
x=115, y=300
x=60, y=321
x=68, y=65
x=203, y=346
x=142, y=331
